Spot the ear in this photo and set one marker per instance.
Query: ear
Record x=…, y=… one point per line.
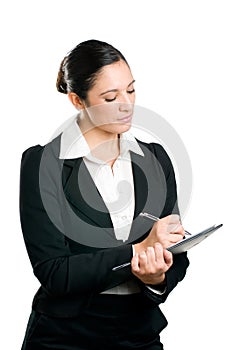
x=76, y=100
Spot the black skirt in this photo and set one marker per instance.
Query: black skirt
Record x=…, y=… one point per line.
x=110, y=322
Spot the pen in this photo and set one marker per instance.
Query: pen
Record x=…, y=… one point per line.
x=151, y=217
x=121, y=266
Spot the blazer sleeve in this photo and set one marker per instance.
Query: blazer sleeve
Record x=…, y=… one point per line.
x=177, y=271
x=59, y=270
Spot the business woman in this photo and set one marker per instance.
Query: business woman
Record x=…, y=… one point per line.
x=80, y=199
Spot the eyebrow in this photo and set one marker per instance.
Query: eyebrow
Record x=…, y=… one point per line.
x=115, y=90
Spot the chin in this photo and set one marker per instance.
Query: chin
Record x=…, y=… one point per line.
x=122, y=128
x=118, y=128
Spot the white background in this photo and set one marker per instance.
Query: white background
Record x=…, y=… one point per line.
x=181, y=56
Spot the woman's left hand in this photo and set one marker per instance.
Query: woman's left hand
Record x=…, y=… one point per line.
x=151, y=265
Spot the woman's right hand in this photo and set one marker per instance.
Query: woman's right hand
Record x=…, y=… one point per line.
x=166, y=231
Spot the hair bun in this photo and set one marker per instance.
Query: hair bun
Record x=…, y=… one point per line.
x=61, y=83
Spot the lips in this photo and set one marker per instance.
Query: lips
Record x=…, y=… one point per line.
x=125, y=119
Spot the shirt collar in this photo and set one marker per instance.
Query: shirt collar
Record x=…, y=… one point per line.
x=74, y=145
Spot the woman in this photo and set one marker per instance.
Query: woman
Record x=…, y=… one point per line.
x=80, y=200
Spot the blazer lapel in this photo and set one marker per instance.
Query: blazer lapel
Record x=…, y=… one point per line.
x=149, y=189
x=82, y=193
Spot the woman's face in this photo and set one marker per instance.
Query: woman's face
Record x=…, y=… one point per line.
x=110, y=102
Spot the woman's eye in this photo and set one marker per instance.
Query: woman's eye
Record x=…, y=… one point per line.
x=110, y=99
x=131, y=91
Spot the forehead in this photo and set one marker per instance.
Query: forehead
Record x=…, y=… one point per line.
x=115, y=76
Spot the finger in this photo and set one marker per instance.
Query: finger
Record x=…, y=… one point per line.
x=150, y=257
x=168, y=257
x=158, y=253
x=142, y=261
x=176, y=228
x=172, y=219
x=174, y=237
x=135, y=263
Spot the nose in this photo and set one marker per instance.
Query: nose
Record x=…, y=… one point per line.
x=125, y=103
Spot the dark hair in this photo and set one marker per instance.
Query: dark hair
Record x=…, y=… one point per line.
x=79, y=68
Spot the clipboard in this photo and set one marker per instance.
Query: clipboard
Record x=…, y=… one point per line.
x=190, y=241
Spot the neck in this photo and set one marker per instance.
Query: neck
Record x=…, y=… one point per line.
x=103, y=145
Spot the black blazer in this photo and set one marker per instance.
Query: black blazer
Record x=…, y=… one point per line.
x=68, y=230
